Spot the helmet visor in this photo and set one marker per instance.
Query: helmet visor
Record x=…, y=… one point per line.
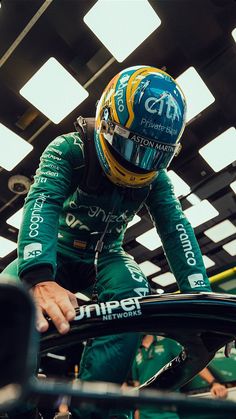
x=142, y=152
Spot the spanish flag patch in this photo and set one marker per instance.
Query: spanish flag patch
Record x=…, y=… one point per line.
x=80, y=244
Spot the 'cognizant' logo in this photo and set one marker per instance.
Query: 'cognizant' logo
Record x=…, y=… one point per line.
x=129, y=307
x=36, y=219
x=187, y=247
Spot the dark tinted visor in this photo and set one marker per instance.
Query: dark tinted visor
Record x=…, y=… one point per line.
x=142, y=152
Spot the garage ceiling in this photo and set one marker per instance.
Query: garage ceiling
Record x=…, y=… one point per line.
x=192, y=33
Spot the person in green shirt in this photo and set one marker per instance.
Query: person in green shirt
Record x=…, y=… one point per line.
x=89, y=185
x=153, y=353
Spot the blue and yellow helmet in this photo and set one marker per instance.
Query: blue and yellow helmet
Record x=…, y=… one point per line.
x=139, y=121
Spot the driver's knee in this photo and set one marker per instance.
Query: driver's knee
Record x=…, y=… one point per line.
x=109, y=358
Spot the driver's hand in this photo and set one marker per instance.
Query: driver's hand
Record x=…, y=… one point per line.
x=55, y=302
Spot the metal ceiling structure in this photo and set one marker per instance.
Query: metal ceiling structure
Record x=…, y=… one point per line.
x=192, y=33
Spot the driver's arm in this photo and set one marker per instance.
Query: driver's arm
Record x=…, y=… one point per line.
x=217, y=390
x=177, y=235
x=38, y=233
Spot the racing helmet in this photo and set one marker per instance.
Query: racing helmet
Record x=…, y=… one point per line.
x=139, y=120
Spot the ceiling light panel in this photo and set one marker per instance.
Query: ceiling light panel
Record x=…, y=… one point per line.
x=208, y=263
x=198, y=96
x=149, y=268
x=201, y=213
x=135, y=220
x=193, y=199
x=230, y=247
x=220, y=231
x=6, y=247
x=221, y=151
x=234, y=34
x=150, y=239
x=18, y=147
x=181, y=188
x=165, y=279
x=54, y=91
x=133, y=21
x=233, y=186
x=15, y=219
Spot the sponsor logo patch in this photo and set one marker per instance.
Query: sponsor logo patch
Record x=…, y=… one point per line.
x=32, y=250
x=129, y=307
x=196, y=280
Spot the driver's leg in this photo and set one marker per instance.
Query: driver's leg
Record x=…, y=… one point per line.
x=109, y=358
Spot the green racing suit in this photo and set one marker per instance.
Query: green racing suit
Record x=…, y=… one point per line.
x=61, y=226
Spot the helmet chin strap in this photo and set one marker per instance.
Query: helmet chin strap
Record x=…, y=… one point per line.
x=106, y=127
x=103, y=128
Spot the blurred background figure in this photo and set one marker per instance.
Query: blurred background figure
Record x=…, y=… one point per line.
x=217, y=380
x=153, y=353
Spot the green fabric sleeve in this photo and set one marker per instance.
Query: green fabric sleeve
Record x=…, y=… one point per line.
x=177, y=235
x=52, y=183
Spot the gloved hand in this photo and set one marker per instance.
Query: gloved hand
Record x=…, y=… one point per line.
x=55, y=302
